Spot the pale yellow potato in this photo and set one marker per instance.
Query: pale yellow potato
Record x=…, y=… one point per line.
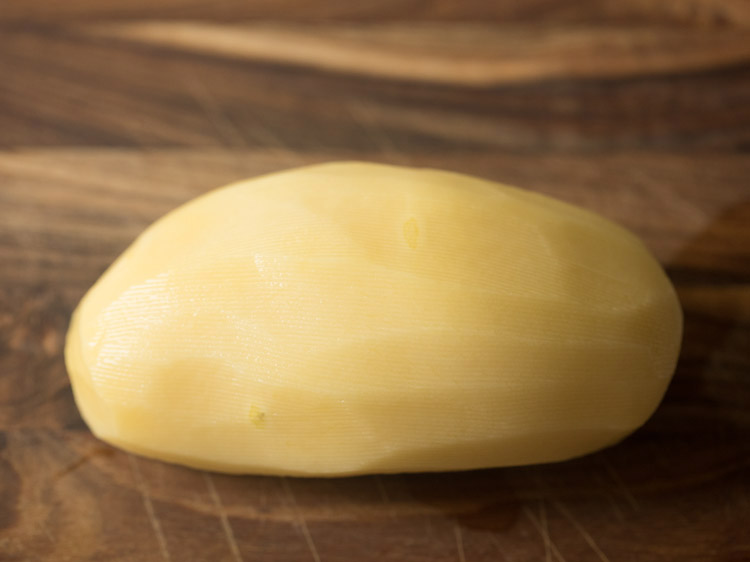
x=354, y=318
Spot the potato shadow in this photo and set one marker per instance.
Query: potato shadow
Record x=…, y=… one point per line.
x=711, y=377
x=703, y=421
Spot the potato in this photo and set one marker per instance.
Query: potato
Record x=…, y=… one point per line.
x=354, y=318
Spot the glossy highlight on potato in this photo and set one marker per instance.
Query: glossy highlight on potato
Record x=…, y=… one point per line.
x=351, y=318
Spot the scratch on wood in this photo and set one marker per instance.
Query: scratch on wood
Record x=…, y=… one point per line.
x=202, y=95
x=266, y=135
x=362, y=116
x=584, y=533
x=607, y=493
x=618, y=512
x=223, y=517
x=228, y=132
x=499, y=547
x=274, y=144
x=459, y=543
x=384, y=496
x=549, y=546
x=300, y=519
x=149, y=506
x=545, y=531
x=615, y=476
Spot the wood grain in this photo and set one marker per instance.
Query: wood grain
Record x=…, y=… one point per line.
x=460, y=55
x=114, y=112
x=527, y=89
x=681, y=12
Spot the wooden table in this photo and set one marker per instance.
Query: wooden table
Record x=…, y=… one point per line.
x=114, y=111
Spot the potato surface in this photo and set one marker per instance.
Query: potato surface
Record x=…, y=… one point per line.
x=351, y=318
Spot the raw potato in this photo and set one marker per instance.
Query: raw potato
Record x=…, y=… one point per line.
x=355, y=318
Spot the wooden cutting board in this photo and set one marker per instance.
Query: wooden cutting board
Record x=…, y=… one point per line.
x=114, y=112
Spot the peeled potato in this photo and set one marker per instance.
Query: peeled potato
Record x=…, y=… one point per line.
x=355, y=318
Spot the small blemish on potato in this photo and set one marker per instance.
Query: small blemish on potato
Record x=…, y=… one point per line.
x=411, y=232
x=257, y=417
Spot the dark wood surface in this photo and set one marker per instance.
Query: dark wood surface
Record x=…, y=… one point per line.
x=113, y=112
